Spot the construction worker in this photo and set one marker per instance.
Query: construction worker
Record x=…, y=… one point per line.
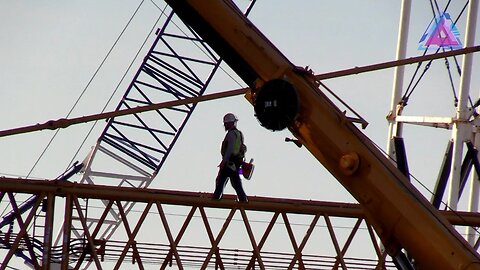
x=233, y=152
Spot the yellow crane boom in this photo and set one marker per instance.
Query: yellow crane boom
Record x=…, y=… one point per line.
x=285, y=96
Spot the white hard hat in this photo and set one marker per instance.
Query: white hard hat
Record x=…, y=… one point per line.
x=230, y=117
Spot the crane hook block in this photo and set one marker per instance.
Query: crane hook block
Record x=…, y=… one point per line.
x=276, y=104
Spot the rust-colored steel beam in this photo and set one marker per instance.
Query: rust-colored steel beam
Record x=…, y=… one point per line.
x=67, y=224
x=348, y=242
x=23, y=224
x=264, y=238
x=396, y=63
x=48, y=237
x=173, y=247
x=256, y=251
x=215, y=253
x=64, y=189
x=64, y=122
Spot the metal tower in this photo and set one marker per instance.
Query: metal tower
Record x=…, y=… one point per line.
x=461, y=154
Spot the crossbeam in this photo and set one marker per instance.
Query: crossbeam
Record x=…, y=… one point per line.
x=174, y=247
x=187, y=198
x=64, y=122
x=395, y=63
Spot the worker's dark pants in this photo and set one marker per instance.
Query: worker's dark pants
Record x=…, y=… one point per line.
x=222, y=179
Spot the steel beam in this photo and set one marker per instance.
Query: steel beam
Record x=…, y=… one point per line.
x=200, y=199
x=396, y=63
x=63, y=123
x=93, y=249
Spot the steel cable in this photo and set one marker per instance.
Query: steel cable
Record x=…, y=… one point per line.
x=85, y=88
x=410, y=89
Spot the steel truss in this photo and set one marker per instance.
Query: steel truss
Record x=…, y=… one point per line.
x=178, y=66
x=156, y=237
x=457, y=164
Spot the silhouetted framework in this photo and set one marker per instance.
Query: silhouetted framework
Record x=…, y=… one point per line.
x=179, y=65
x=188, y=230
x=133, y=148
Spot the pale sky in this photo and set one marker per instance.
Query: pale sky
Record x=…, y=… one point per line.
x=49, y=51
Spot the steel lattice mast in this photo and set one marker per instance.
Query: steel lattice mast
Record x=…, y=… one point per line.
x=461, y=154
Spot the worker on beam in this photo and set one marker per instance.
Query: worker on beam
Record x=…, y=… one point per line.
x=233, y=154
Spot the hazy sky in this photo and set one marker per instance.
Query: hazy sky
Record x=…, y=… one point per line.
x=49, y=51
